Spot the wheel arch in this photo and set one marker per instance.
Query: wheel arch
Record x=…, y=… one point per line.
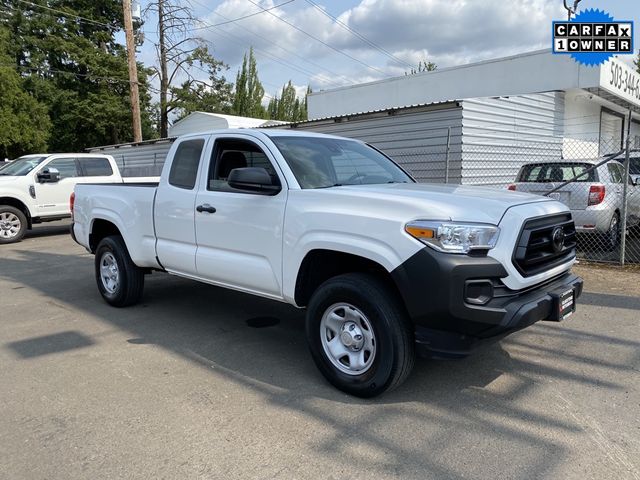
x=319, y=265
x=20, y=205
x=101, y=228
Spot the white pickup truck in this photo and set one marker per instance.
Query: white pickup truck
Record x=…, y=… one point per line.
x=384, y=266
x=36, y=188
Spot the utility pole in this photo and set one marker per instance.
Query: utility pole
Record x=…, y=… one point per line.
x=164, y=74
x=133, y=71
x=571, y=11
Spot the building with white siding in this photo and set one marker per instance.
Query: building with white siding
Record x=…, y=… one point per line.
x=478, y=123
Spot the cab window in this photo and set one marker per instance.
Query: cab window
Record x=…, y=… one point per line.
x=95, y=167
x=230, y=154
x=184, y=168
x=67, y=167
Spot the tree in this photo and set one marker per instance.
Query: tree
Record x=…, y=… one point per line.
x=211, y=95
x=182, y=89
x=70, y=61
x=288, y=107
x=637, y=62
x=423, y=66
x=24, y=122
x=247, y=100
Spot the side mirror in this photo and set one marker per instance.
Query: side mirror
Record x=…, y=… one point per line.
x=49, y=175
x=253, y=179
x=635, y=181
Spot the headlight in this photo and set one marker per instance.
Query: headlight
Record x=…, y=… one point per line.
x=454, y=237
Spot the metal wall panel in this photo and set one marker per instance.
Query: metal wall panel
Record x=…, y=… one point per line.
x=415, y=137
x=501, y=134
x=138, y=160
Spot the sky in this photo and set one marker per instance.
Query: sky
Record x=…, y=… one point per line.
x=372, y=39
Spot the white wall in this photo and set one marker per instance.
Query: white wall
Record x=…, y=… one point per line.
x=520, y=74
x=635, y=134
x=581, y=125
x=197, y=122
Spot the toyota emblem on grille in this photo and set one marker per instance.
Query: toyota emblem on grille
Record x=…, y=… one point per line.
x=557, y=239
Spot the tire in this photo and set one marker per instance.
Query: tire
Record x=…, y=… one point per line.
x=374, y=342
x=612, y=237
x=120, y=281
x=13, y=224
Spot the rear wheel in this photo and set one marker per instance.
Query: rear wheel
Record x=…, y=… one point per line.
x=359, y=335
x=120, y=281
x=13, y=224
x=612, y=237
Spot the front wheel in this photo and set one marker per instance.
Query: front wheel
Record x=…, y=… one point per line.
x=120, y=281
x=13, y=224
x=359, y=335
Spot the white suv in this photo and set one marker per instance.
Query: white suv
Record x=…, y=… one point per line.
x=36, y=188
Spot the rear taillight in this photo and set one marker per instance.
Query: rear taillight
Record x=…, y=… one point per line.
x=596, y=194
x=512, y=187
x=72, y=200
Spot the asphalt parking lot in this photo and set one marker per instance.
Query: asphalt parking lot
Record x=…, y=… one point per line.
x=199, y=382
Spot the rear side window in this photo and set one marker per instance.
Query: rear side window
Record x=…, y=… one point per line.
x=556, y=172
x=616, y=172
x=184, y=168
x=95, y=167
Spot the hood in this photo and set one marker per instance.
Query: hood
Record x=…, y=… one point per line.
x=435, y=202
x=8, y=179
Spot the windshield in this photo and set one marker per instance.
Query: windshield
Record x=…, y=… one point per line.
x=634, y=166
x=329, y=162
x=21, y=166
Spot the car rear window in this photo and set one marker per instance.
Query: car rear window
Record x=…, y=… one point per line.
x=556, y=172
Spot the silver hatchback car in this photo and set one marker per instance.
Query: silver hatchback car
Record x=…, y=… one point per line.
x=595, y=197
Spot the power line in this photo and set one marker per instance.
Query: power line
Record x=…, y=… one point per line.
x=319, y=40
x=67, y=14
x=89, y=76
x=245, y=16
x=359, y=35
x=326, y=78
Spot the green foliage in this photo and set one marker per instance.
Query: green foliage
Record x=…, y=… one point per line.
x=247, y=101
x=24, y=122
x=637, y=62
x=213, y=95
x=288, y=107
x=76, y=68
x=423, y=66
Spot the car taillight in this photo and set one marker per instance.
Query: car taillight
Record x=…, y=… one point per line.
x=512, y=187
x=72, y=200
x=596, y=194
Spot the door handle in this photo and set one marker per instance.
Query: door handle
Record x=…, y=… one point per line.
x=206, y=208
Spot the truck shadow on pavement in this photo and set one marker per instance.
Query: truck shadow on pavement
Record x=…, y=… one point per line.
x=485, y=395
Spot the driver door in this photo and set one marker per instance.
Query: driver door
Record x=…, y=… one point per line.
x=52, y=198
x=239, y=236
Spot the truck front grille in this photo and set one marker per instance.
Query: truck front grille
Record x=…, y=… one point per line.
x=544, y=243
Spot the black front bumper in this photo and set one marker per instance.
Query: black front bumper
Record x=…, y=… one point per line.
x=435, y=288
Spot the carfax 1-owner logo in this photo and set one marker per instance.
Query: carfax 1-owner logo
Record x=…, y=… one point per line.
x=592, y=37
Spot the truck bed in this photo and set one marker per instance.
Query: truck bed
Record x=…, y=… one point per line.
x=132, y=213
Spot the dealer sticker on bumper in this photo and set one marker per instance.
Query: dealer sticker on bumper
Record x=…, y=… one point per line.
x=563, y=304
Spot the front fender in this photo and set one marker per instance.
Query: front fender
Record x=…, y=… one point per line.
x=387, y=255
